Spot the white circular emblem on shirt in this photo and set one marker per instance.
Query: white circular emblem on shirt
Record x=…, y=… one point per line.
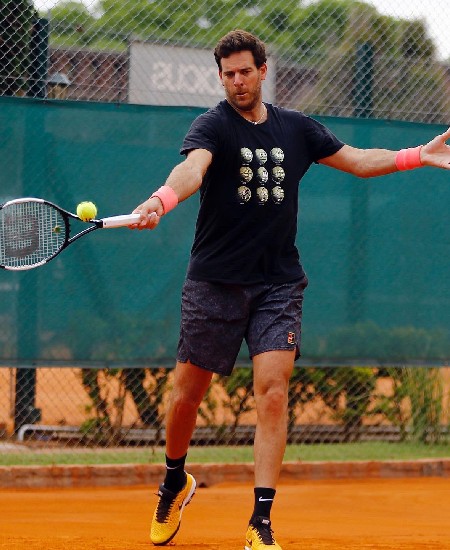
x=261, y=156
x=263, y=194
x=246, y=173
x=246, y=155
x=278, y=174
x=262, y=174
x=244, y=194
x=277, y=194
x=277, y=155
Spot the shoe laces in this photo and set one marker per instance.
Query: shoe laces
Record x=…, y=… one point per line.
x=262, y=526
x=165, y=504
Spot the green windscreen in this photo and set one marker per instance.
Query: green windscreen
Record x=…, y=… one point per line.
x=376, y=251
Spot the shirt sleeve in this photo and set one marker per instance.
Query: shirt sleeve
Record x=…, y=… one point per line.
x=320, y=140
x=202, y=134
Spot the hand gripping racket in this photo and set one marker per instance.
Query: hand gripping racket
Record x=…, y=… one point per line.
x=34, y=231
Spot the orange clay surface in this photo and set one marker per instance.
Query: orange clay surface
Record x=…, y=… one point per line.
x=355, y=514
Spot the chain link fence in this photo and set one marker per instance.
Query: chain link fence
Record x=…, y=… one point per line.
x=122, y=410
x=340, y=58
x=368, y=58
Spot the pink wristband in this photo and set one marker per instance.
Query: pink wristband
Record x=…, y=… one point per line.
x=167, y=196
x=407, y=159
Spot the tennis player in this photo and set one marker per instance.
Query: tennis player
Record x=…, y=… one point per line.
x=244, y=279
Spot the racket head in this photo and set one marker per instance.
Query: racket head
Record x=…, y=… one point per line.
x=32, y=232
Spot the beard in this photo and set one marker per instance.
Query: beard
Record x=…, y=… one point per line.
x=248, y=102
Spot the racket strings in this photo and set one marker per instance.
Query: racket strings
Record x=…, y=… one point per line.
x=30, y=233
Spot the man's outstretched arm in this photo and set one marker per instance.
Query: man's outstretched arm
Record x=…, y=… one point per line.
x=368, y=163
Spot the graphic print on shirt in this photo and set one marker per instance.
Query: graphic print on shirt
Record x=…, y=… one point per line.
x=261, y=176
x=246, y=155
x=261, y=156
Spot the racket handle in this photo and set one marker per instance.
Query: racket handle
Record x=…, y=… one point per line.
x=120, y=221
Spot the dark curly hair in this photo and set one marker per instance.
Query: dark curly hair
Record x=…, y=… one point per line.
x=238, y=41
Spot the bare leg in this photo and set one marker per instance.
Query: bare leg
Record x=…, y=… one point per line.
x=190, y=385
x=272, y=371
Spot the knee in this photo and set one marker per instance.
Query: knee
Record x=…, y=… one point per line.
x=272, y=402
x=184, y=402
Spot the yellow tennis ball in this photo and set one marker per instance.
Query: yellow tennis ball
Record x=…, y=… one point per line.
x=86, y=211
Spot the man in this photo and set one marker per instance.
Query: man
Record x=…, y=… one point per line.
x=244, y=278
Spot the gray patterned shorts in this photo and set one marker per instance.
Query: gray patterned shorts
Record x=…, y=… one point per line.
x=217, y=317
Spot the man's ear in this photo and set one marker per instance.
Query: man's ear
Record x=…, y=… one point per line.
x=220, y=76
x=263, y=70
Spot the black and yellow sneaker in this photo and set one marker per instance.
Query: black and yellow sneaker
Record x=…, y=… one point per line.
x=167, y=517
x=260, y=535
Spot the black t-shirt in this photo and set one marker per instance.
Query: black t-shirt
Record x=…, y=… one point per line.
x=247, y=222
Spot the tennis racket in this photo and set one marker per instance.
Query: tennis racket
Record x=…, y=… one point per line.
x=34, y=231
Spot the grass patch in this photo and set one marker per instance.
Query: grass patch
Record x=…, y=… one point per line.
x=306, y=453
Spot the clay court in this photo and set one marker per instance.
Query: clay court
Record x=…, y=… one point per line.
x=358, y=514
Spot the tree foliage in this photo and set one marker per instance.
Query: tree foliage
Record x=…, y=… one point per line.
x=319, y=38
x=290, y=28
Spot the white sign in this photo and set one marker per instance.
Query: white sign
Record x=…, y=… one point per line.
x=176, y=75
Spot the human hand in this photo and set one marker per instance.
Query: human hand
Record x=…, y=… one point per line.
x=150, y=211
x=436, y=152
